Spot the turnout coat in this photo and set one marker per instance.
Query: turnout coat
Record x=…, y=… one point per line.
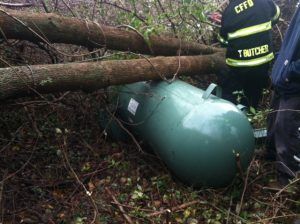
x=286, y=70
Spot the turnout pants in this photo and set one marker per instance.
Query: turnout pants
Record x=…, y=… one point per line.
x=284, y=134
x=250, y=80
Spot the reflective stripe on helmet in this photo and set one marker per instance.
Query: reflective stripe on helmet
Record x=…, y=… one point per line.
x=250, y=30
x=250, y=63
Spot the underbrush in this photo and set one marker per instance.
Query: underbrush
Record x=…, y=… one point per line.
x=59, y=166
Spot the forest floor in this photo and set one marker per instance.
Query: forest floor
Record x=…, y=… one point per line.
x=58, y=166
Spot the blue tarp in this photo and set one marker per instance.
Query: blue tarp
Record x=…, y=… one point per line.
x=284, y=62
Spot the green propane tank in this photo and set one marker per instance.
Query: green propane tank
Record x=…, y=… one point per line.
x=198, y=135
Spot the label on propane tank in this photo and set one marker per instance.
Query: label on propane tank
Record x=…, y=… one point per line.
x=132, y=106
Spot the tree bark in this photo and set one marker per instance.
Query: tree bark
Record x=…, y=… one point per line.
x=15, y=5
x=52, y=28
x=23, y=81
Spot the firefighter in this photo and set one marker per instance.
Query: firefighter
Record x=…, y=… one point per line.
x=246, y=32
x=284, y=121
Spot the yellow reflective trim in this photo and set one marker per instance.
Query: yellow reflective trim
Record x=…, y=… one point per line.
x=222, y=40
x=250, y=63
x=277, y=13
x=250, y=30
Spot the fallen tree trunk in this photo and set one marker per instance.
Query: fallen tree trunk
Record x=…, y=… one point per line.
x=14, y=5
x=24, y=81
x=47, y=27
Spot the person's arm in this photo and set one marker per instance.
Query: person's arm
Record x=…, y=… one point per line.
x=275, y=12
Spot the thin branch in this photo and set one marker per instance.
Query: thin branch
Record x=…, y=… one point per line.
x=127, y=218
x=287, y=186
x=229, y=210
x=45, y=6
x=279, y=31
x=5, y=178
x=125, y=10
x=223, y=5
x=174, y=209
x=70, y=9
x=87, y=192
x=140, y=34
x=1, y=194
x=245, y=188
x=127, y=131
x=266, y=220
x=179, y=64
x=168, y=17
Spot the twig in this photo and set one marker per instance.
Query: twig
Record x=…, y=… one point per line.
x=94, y=9
x=5, y=62
x=285, y=188
x=179, y=63
x=132, y=207
x=245, y=188
x=87, y=192
x=128, y=132
x=127, y=218
x=279, y=31
x=33, y=120
x=102, y=31
x=1, y=194
x=140, y=34
x=55, y=6
x=276, y=217
x=45, y=6
x=3, y=36
x=12, y=139
x=155, y=70
x=125, y=10
x=24, y=165
x=167, y=16
x=224, y=3
x=174, y=209
x=53, y=57
x=54, y=102
x=226, y=213
x=229, y=210
x=70, y=9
